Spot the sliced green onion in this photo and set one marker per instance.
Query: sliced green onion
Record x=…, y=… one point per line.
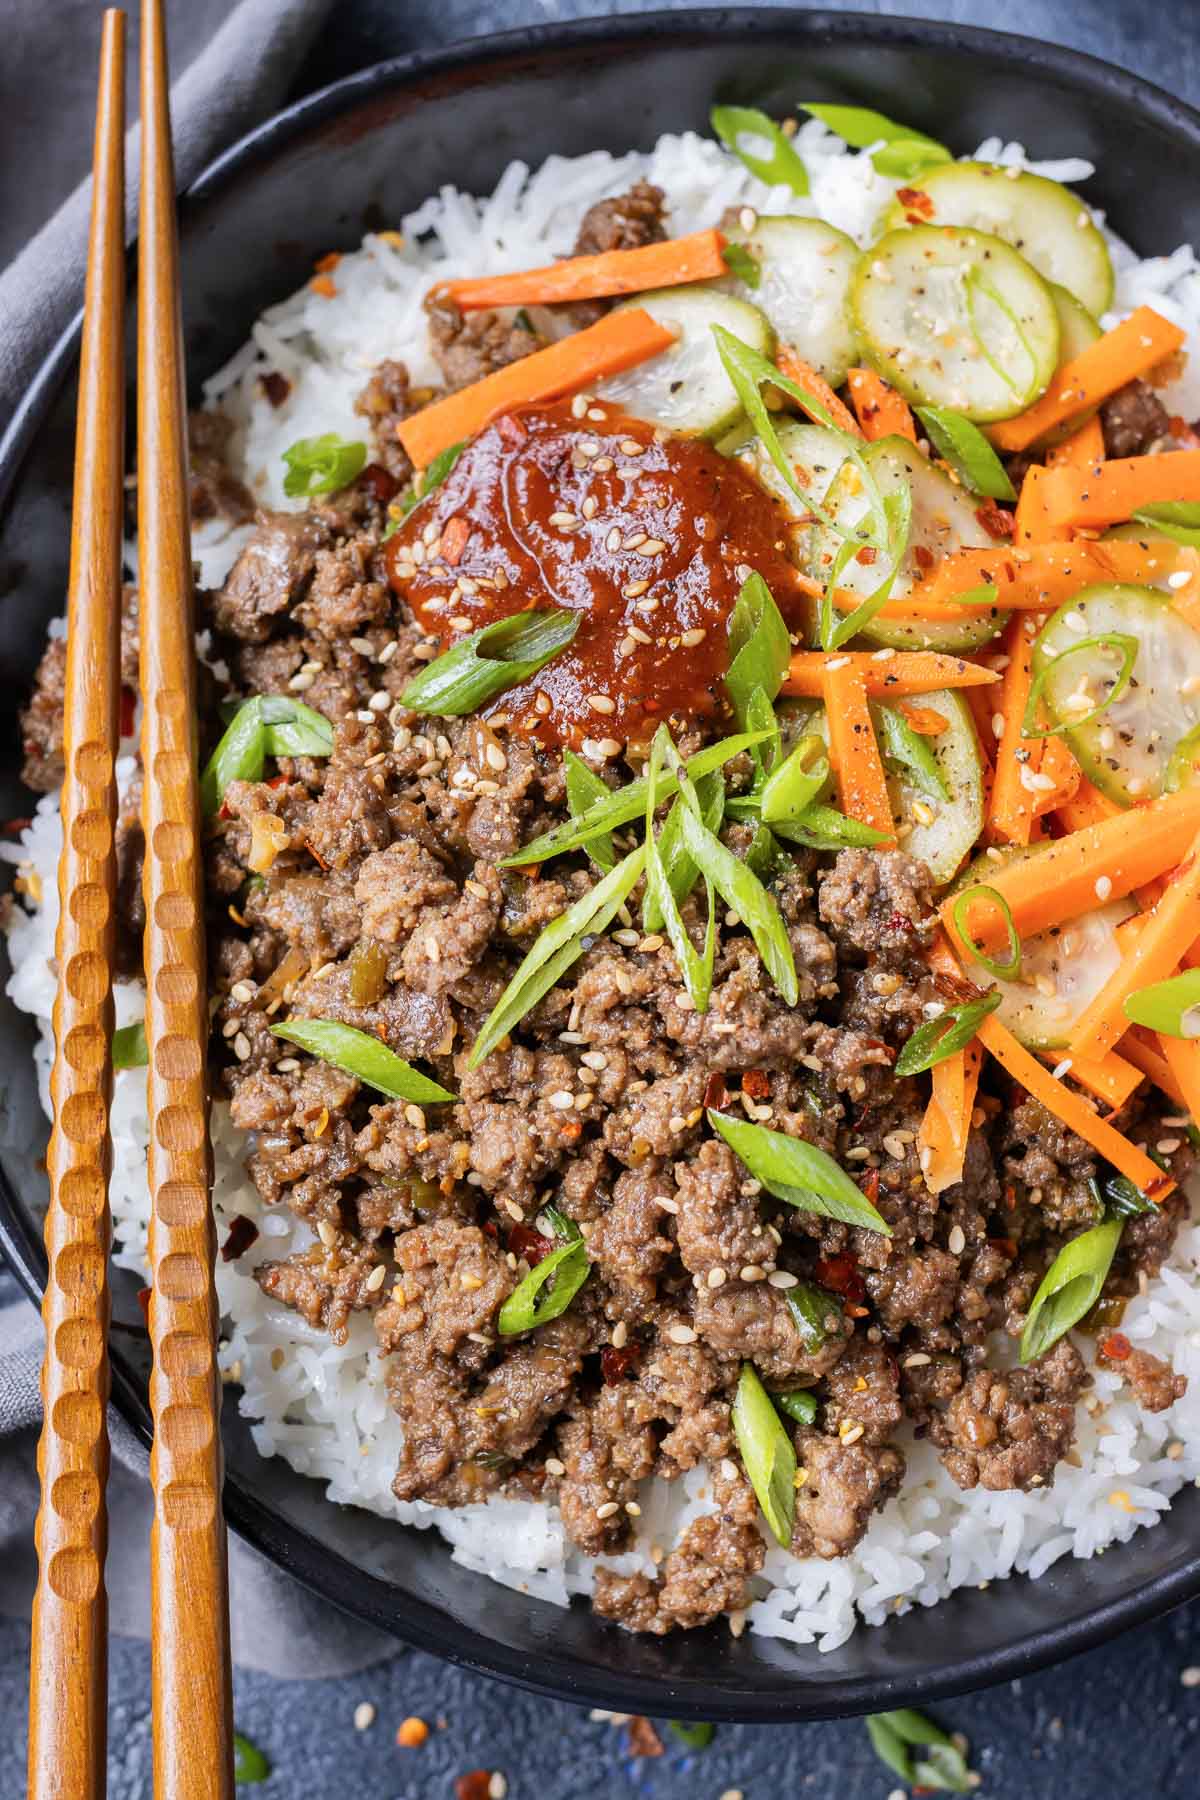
x=759, y=647
x=129, y=1047
x=696, y=967
x=1183, y=762
x=897, y=516
x=489, y=661
x=765, y=854
x=1177, y=519
x=526, y=1308
x=822, y=827
x=797, y=781
x=565, y=1230
x=812, y=1308
x=739, y=262
x=893, y=1734
x=1172, y=1007
x=766, y=1452
x=742, y=891
x=797, y=1172
x=696, y=1737
x=627, y=803
x=944, y=1036
x=423, y=484
x=556, y=948
x=1119, y=640
x=360, y=1054
x=1122, y=1200
x=907, y=750
x=293, y=729
x=964, y=447
x=1010, y=967
x=249, y=1763
x=903, y=151
x=321, y=465
x=776, y=162
x=1070, y=1287
x=678, y=866
x=265, y=725
x=800, y=1405
x=584, y=789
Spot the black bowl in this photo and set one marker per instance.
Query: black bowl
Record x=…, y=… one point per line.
x=314, y=178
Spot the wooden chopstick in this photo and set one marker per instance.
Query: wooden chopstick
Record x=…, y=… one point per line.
x=193, y=1735
x=68, y=1660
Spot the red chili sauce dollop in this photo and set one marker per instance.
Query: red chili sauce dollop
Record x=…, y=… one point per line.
x=646, y=535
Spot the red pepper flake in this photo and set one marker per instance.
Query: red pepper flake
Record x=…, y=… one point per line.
x=870, y=1185
x=840, y=1274
x=277, y=781
x=524, y=1241
x=14, y=826
x=379, y=483
x=143, y=1300
x=615, y=1364
x=995, y=519
x=1116, y=1346
x=923, y=557
x=323, y=285
x=311, y=848
x=756, y=1083
x=867, y=554
x=1006, y=1246
x=899, y=921
x=491, y=1228
x=915, y=201
x=128, y=707
x=643, y=1739
x=455, y=533
x=276, y=387
x=715, y=1092
x=475, y=1785
x=242, y=1233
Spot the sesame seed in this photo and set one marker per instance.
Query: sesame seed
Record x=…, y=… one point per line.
x=780, y=1278
x=495, y=757
x=668, y=1206
x=956, y=1243
x=300, y=684
x=613, y=540
x=752, y=1272
x=849, y=1431
x=326, y=1233
x=564, y=521
x=497, y=1786
x=602, y=464
x=597, y=415
x=579, y=406
x=620, y=1335
x=691, y=638
x=376, y=1279
x=554, y=1467
x=241, y=1046
x=634, y=541
x=917, y=1360
x=628, y=938
x=630, y=447
x=414, y=1116
x=716, y=1278
x=633, y=589
x=607, y=1510
x=653, y=547
x=590, y=507
x=681, y=1334
x=1167, y=1146
x=364, y=1716
x=563, y=1100
x=1103, y=887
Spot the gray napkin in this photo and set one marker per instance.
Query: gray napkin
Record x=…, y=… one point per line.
x=237, y=61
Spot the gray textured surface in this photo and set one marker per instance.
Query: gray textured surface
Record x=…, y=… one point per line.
x=1111, y=1726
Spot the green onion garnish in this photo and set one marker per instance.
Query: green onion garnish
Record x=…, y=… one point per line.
x=964, y=447
x=1010, y=967
x=1177, y=519
x=816, y=1312
x=1122, y=1200
x=906, y=749
x=759, y=143
x=556, y=948
x=797, y=781
x=424, y=484
x=1107, y=640
x=739, y=262
x=321, y=465
x=1070, y=1287
x=249, y=1763
x=821, y=827
x=696, y=1737
x=677, y=863
x=266, y=725
x=759, y=648
x=527, y=1307
x=1183, y=762
x=767, y=1453
x=584, y=789
x=129, y=1047
x=745, y=894
x=903, y=152
x=696, y=967
x=944, y=1036
x=893, y=1734
x=800, y=1405
x=360, y=1054
x=292, y=729
x=1172, y=1007
x=797, y=1173
x=490, y=660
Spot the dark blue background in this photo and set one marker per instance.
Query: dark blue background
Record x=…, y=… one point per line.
x=1116, y=1725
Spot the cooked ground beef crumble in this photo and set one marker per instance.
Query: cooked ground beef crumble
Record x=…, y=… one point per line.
x=387, y=909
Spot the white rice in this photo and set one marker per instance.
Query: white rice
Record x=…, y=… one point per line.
x=322, y=1407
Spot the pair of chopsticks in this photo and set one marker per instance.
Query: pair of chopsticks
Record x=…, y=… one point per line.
x=193, y=1739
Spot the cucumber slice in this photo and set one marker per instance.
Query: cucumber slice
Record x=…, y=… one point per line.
x=943, y=519
x=955, y=318
x=939, y=832
x=1127, y=749
x=1048, y=224
x=805, y=269
x=686, y=389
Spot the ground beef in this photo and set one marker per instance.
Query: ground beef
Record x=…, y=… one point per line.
x=216, y=493
x=878, y=904
x=839, y=1484
x=385, y=402
x=624, y=223
x=323, y=1287
x=1153, y=1382
x=1135, y=421
x=271, y=575
x=1009, y=1429
x=470, y=345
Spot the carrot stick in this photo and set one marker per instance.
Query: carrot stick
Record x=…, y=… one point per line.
x=805, y=376
x=615, y=343
x=926, y=721
x=669, y=264
x=1115, y=490
x=1086, y=806
x=1073, y=1110
x=1011, y=812
x=1120, y=356
x=1059, y=883
x=882, y=412
x=946, y=1125
x=1182, y=1057
x=1165, y=935
x=1059, y=766
x=1039, y=577
x=1034, y=522
x=887, y=674
x=1111, y=1078
x=853, y=751
x=1143, y=1049
x=1082, y=450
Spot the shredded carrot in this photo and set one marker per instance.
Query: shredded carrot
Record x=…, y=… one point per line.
x=669, y=264
x=1059, y=766
x=1120, y=356
x=946, y=1125
x=1111, y=491
x=1039, y=577
x=1164, y=936
x=1086, y=806
x=1073, y=1110
x=888, y=674
x=793, y=365
x=1017, y=759
x=1143, y=1049
x=882, y=412
x=1182, y=1057
x=1060, y=882
x=853, y=752
x=1082, y=450
x=1034, y=520
x=926, y=721
x=617, y=342
x=1111, y=1078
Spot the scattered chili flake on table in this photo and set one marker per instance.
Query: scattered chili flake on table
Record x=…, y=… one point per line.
x=411, y=1733
x=643, y=1739
x=474, y=1785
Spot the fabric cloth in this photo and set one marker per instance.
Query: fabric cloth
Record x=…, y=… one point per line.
x=237, y=61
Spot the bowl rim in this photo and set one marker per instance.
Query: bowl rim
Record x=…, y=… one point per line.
x=290, y=1547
